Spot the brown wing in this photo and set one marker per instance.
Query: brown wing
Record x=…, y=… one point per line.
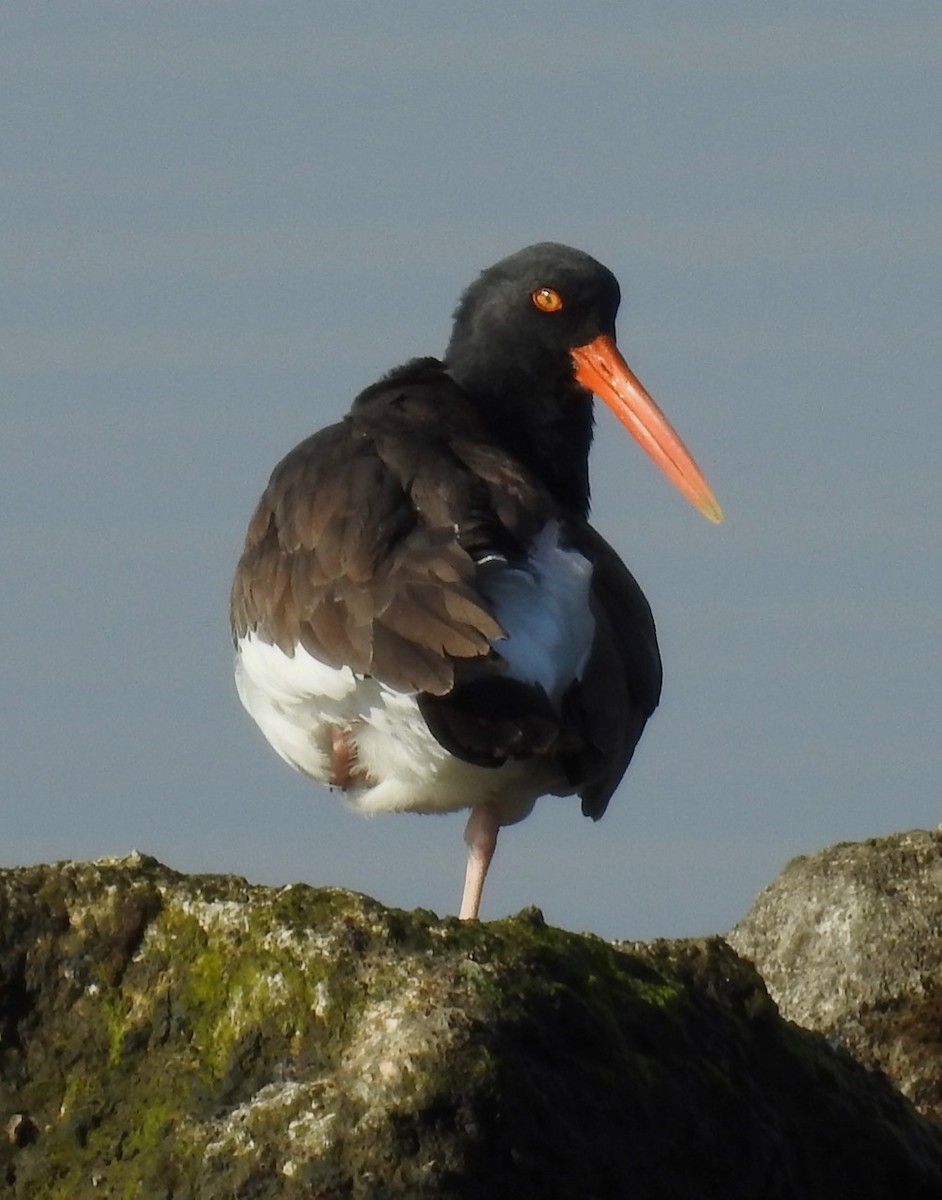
x=362, y=548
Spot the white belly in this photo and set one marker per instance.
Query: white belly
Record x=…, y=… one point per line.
x=298, y=701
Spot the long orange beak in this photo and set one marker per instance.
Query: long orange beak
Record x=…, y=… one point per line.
x=601, y=368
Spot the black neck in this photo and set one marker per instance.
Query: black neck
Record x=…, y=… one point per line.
x=546, y=424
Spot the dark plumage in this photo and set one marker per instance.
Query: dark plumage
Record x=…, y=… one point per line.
x=404, y=548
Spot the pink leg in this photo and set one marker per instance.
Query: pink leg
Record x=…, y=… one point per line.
x=481, y=835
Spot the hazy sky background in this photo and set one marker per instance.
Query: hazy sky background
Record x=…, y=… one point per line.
x=221, y=221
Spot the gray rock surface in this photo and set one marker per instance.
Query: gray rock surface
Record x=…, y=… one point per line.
x=198, y=1038
x=849, y=943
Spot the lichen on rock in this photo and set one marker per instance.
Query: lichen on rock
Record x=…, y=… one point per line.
x=194, y=1038
x=849, y=941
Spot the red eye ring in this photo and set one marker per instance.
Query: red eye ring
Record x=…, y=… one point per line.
x=547, y=299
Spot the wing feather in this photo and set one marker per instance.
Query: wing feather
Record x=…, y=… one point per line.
x=363, y=546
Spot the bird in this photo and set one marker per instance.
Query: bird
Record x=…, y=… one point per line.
x=423, y=616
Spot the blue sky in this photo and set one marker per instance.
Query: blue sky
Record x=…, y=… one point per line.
x=221, y=221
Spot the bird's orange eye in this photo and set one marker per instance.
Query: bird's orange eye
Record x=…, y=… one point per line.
x=547, y=300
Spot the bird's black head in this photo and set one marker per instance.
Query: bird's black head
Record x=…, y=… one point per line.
x=514, y=330
x=534, y=337
x=526, y=313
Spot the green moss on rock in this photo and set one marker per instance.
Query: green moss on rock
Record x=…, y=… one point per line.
x=197, y=1037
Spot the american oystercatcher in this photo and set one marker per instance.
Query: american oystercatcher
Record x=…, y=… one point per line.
x=423, y=616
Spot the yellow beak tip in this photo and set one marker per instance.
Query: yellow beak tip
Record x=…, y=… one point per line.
x=712, y=511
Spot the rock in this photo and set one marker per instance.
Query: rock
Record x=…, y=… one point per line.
x=849, y=942
x=198, y=1038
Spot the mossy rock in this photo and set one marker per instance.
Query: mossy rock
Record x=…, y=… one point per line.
x=193, y=1038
